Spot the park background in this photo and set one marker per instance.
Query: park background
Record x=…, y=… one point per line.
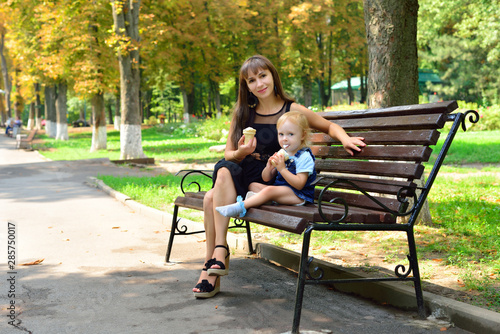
x=60, y=65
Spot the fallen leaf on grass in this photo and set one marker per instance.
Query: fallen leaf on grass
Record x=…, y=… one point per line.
x=34, y=263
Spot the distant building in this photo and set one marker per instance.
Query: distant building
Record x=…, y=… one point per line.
x=340, y=96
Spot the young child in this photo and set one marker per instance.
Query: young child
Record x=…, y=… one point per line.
x=294, y=168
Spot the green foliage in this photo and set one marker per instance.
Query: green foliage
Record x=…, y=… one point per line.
x=457, y=39
x=215, y=128
x=152, y=121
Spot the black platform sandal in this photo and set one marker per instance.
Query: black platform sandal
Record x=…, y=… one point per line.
x=224, y=267
x=207, y=265
x=207, y=290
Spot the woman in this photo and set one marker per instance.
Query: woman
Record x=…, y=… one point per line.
x=261, y=101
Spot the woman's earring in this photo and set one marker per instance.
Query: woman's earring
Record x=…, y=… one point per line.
x=275, y=91
x=252, y=100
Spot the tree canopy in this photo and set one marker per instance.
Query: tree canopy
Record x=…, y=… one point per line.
x=199, y=45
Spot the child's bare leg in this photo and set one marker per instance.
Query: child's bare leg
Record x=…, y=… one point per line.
x=280, y=194
x=256, y=187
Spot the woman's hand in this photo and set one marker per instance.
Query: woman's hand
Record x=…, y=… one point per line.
x=352, y=144
x=243, y=150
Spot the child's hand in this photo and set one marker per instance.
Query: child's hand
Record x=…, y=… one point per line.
x=278, y=161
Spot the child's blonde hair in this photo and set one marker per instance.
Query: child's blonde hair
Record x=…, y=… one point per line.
x=299, y=119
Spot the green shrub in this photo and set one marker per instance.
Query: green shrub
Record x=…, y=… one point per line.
x=215, y=128
x=152, y=121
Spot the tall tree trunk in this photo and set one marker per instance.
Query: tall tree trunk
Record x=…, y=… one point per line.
x=363, y=88
x=50, y=111
x=99, y=135
x=62, y=111
x=31, y=117
x=38, y=108
x=188, y=98
x=218, y=109
x=118, y=117
x=3, y=112
x=7, y=83
x=126, y=23
x=350, y=93
x=307, y=90
x=391, y=29
x=110, y=113
x=19, y=100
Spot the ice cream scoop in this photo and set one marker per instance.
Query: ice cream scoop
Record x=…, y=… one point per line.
x=284, y=154
x=249, y=134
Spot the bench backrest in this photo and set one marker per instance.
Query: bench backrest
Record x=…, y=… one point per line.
x=398, y=141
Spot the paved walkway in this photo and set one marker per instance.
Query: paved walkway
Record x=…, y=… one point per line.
x=103, y=268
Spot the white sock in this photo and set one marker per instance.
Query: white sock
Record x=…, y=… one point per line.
x=233, y=210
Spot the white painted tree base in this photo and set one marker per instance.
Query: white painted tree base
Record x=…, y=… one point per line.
x=99, y=139
x=50, y=129
x=131, y=142
x=62, y=131
x=38, y=123
x=118, y=121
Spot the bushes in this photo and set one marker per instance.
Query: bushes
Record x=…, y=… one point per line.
x=489, y=117
x=211, y=129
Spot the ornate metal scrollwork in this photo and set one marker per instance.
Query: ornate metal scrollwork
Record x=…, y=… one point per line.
x=189, y=172
x=474, y=118
x=182, y=229
x=400, y=198
x=400, y=269
x=238, y=223
x=318, y=270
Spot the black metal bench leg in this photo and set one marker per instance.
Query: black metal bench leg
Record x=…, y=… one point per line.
x=173, y=228
x=249, y=237
x=301, y=281
x=416, y=274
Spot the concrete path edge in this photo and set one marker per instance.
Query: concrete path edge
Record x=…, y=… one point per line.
x=462, y=315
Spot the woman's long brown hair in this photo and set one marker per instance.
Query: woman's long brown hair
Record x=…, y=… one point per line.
x=243, y=115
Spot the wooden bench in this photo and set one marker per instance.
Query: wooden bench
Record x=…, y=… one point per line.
x=364, y=192
x=24, y=141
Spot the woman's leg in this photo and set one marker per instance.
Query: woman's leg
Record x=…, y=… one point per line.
x=224, y=193
x=215, y=224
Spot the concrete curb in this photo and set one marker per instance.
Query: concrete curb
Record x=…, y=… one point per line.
x=462, y=315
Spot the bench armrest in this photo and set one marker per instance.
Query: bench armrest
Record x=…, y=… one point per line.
x=332, y=182
x=189, y=172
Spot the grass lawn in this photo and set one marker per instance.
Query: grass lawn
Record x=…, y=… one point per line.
x=464, y=235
